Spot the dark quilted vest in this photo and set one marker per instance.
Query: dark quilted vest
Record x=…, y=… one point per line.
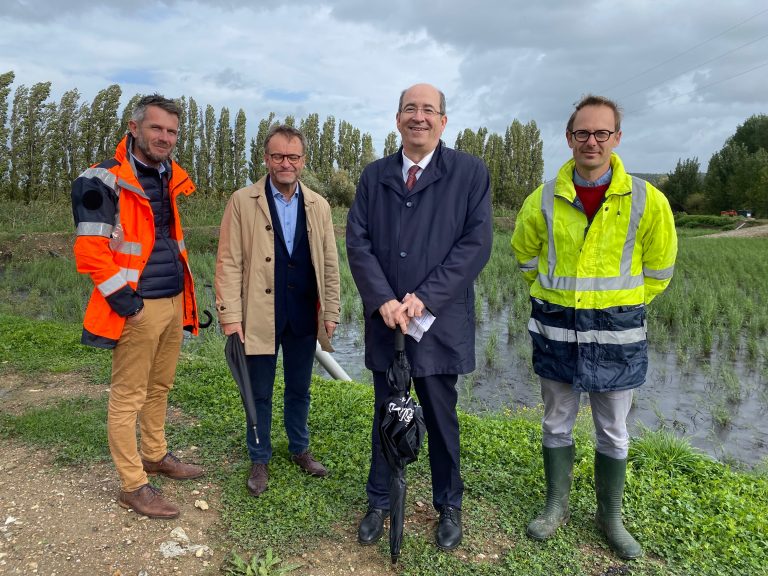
x=163, y=276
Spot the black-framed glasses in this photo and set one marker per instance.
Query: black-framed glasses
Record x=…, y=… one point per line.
x=412, y=110
x=600, y=135
x=292, y=158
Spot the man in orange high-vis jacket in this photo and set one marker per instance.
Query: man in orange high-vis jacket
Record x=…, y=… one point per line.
x=130, y=242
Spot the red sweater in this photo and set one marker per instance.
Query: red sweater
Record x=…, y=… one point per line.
x=591, y=197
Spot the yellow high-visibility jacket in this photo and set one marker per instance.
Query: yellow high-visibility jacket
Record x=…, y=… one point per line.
x=590, y=281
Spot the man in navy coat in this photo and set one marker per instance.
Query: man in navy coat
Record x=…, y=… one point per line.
x=418, y=234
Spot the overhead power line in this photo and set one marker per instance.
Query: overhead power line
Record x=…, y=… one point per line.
x=700, y=88
x=683, y=53
x=655, y=84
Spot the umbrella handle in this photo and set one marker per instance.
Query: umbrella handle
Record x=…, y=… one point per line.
x=399, y=340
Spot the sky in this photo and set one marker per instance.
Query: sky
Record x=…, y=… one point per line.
x=685, y=73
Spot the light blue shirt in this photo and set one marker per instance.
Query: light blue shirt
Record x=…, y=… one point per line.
x=604, y=179
x=288, y=213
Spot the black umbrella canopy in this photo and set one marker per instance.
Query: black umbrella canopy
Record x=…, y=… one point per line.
x=234, y=351
x=401, y=433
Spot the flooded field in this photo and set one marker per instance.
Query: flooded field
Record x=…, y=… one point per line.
x=719, y=404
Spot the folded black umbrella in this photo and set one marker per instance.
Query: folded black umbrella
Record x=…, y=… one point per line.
x=234, y=351
x=401, y=432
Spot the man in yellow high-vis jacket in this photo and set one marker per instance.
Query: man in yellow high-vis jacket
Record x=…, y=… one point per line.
x=595, y=245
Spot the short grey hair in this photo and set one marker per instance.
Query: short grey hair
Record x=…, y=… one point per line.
x=289, y=132
x=170, y=106
x=442, y=101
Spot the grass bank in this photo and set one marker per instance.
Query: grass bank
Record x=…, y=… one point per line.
x=693, y=515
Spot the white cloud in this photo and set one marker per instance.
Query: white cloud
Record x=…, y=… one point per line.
x=684, y=75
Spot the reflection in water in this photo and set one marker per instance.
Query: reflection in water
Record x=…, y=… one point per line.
x=719, y=405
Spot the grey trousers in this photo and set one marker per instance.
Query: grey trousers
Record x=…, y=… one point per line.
x=609, y=413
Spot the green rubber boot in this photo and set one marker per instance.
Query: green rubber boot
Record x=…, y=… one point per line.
x=558, y=471
x=609, y=489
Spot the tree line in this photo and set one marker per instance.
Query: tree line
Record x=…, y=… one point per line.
x=45, y=145
x=736, y=177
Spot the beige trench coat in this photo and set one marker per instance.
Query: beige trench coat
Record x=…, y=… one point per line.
x=245, y=266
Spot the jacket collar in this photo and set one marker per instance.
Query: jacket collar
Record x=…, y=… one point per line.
x=621, y=182
x=393, y=173
x=179, y=182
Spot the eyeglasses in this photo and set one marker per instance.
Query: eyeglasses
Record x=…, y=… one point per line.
x=427, y=111
x=600, y=135
x=292, y=158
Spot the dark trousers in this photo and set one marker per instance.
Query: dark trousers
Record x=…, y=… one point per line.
x=437, y=395
x=298, y=359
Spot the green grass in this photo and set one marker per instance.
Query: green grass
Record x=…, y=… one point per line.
x=74, y=430
x=692, y=514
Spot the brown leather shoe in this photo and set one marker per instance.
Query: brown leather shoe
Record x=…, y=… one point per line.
x=257, y=481
x=148, y=501
x=172, y=467
x=307, y=462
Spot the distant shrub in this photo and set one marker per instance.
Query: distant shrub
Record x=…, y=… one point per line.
x=683, y=220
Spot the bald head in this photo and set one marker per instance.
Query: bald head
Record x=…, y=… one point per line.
x=421, y=120
x=423, y=87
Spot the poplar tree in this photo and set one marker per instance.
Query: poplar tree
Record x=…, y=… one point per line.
x=367, y=154
x=181, y=140
x=189, y=136
x=327, y=151
x=29, y=124
x=105, y=121
x=122, y=126
x=390, y=144
x=64, y=161
x=204, y=165
x=240, y=165
x=256, y=168
x=310, y=127
x=20, y=98
x=6, y=80
x=223, y=173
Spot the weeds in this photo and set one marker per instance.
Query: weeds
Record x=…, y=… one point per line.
x=269, y=565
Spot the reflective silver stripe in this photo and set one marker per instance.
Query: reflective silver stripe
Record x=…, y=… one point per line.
x=94, y=229
x=616, y=337
x=623, y=282
x=118, y=281
x=182, y=246
x=529, y=266
x=131, y=248
x=664, y=274
x=123, y=184
x=550, y=332
x=112, y=285
x=548, y=210
x=638, y=207
x=590, y=284
x=100, y=174
x=131, y=274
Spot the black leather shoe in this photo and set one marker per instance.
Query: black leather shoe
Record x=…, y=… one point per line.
x=449, y=531
x=371, y=526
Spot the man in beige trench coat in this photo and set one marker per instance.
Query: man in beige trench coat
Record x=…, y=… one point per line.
x=277, y=285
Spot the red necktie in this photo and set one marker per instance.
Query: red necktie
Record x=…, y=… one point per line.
x=411, y=181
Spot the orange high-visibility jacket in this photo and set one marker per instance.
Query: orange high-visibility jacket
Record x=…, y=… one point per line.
x=115, y=236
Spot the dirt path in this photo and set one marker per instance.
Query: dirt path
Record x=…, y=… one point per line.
x=64, y=520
